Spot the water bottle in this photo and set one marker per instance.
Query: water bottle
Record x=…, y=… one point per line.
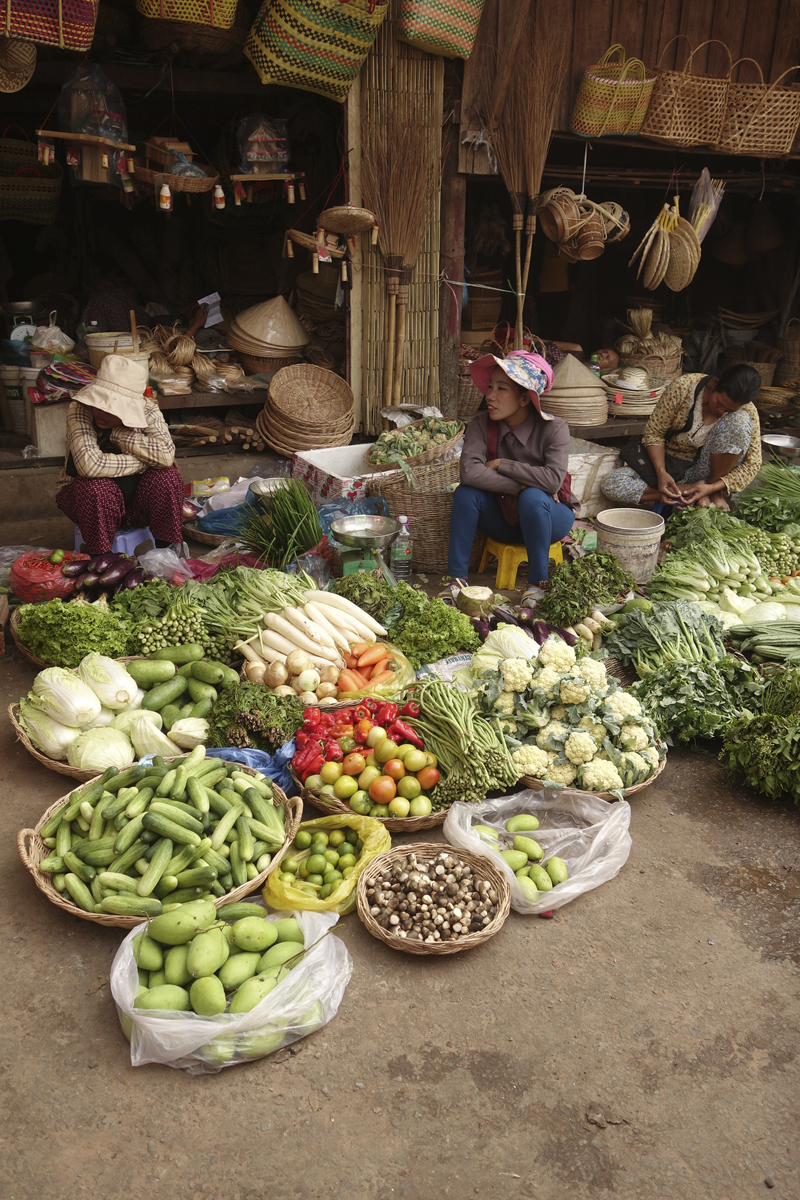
x=400, y=553
x=594, y=365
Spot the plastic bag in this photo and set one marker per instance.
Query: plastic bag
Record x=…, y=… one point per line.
x=90, y=103
x=403, y=678
x=590, y=834
x=263, y=144
x=9, y=555
x=165, y=564
x=229, y=521
x=304, y=1001
x=376, y=839
x=236, y=494
x=314, y=565
x=50, y=337
x=371, y=506
x=276, y=765
x=34, y=578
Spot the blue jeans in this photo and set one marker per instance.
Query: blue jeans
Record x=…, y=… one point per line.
x=541, y=522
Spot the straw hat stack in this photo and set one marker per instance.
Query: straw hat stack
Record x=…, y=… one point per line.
x=577, y=394
x=267, y=336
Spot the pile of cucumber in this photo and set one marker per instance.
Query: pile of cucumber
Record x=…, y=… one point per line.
x=142, y=841
x=179, y=682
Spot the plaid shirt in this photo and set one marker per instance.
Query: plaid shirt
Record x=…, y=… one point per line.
x=140, y=448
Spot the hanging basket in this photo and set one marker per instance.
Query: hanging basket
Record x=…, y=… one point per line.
x=177, y=183
x=29, y=190
x=687, y=109
x=760, y=118
x=613, y=96
x=68, y=24
x=444, y=27
x=219, y=14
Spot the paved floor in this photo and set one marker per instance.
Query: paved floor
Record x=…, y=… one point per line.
x=643, y=1043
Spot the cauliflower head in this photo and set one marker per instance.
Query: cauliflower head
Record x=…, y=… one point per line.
x=573, y=692
x=596, y=728
x=554, y=728
x=640, y=765
x=504, y=703
x=622, y=704
x=530, y=760
x=555, y=653
x=558, y=713
x=633, y=737
x=594, y=673
x=549, y=680
x=563, y=773
x=517, y=674
x=601, y=776
x=580, y=747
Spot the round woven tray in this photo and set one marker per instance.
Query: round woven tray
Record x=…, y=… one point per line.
x=311, y=394
x=191, y=531
x=256, y=365
x=177, y=183
x=337, y=808
x=418, y=460
x=346, y=219
x=537, y=786
x=428, y=850
x=309, y=242
x=32, y=850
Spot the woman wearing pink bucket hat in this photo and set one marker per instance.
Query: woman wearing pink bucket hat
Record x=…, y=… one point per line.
x=514, y=481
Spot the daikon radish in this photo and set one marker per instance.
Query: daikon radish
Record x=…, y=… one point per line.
x=315, y=614
x=292, y=634
x=331, y=600
x=317, y=634
x=271, y=640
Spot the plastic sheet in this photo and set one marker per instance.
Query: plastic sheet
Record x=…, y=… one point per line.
x=276, y=765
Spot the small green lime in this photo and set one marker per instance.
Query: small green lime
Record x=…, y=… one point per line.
x=351, y=836
x=321, y=836
x=336, y=837
x=325, y=891
x=317, y=879
x=286, y=877
x=291, y=866
x=332, y=856
x=334, y=877
x=316, y=864
x=347, y=872
x=302, y=839
x=347, y=860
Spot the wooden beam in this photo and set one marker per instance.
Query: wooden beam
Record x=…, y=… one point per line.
x=55, y=72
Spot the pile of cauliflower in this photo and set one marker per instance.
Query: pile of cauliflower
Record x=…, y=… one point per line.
x=568, y=723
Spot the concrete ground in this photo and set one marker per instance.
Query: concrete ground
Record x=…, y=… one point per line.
x=642, y=1043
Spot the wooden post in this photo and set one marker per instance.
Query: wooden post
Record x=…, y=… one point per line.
x=451, y=250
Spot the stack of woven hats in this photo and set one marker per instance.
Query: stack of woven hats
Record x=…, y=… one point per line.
x=267, y=336
x=577, y=394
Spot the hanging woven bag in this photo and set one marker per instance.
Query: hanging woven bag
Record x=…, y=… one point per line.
x=613, y=96
x=29, y=190
x=687, y=109
x=68, y=24
x=314, y=45
x=445, y=27
x=760, y=118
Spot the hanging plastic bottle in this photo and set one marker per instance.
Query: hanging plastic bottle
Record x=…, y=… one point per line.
x=219, y=196
x=165, y=198
x=401, y=552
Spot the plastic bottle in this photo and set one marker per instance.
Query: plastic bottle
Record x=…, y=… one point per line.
x=594, y=365
x=401, y=551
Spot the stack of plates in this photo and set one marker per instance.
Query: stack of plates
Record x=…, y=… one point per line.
x=577, y=394
x=267, y=336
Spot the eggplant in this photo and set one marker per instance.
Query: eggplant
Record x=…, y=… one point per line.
x=72, y=570
x=134, y=579
x=89, y=580
x=118, y=572
x=527, y=616
x=481, y=626
x=570, y=638
x=92, y=594
x=541, y=632
x=507, y=616
x=105, y=561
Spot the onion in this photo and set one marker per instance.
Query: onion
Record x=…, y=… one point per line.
x=327, y=701
x=309, y=698
x=297, y=662
x=308, y=681
x=326, y=689
x=283, y=690
x=255, y=672
x=329, y=674
x=275, y=674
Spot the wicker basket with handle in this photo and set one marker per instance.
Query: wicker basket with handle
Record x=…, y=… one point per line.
x=760, y=118
x=687, y=109
x=219, y=14
x=32, y=851
x=444, y=27
x=428, y=508
x=613, y=96
x=29, y=190
x=469, y=396
x=68, y=24
x=432, y=454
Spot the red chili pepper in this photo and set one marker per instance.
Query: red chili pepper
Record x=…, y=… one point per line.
x=410, y=710
x=307, y=755
x=332, y=750
x=346, y=715
x=313, y=768
x=399, y=731
x=386, y=714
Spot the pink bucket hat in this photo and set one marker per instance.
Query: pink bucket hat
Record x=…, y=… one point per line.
x=530, y=371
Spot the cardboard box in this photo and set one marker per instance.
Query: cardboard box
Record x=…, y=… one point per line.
x=336, y=473
x=49, y=429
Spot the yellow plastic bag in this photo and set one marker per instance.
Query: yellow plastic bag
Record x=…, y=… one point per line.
x=403, y=678
x=377, y=840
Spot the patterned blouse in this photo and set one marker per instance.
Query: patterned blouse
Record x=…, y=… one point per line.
x=140, y=448
x=672, y=411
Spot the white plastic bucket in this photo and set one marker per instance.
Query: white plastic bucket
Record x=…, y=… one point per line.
x=101, y=344
x=28, y=377
x=632, y=535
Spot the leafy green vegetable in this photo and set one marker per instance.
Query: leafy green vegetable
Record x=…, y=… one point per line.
x=575, y=588
x=774, y=499
x=368, y=591
x=250, y=716
x=410, y=440
x=63, y=633
x=700, y=700
x=430, y=629
x=673, y=633
x=283, y=525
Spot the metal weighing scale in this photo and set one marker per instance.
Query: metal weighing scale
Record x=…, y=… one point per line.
x=367, y=535
x=782, y=445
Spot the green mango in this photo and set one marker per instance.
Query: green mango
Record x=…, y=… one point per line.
x=166, y=996
x=175, y=968
x=126, y=1023
x=147, y=954
x=253, y=933
x=520, y=823
x=515, y=858
x=251, y=993
x=528, y=888
x=219, y=1051
x=262, y=1042
x=312, y=1019
x=157, y=978
x=179, y=926
x=288, y=930
x=540, y=877
x=529, y=848
x=207, y=952
x=144, y=978
x=278, y=954
x=522, y=873
x=487, y=834
x=207, y=996
x=557, y=870
x=237, y=969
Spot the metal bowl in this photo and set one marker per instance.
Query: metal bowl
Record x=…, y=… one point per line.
x=781, y=443
x=370, y=533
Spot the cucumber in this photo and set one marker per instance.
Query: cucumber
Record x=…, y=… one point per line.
x=178, y=789
x=170, y=713
x=197, y=877
x=185, y=895
x=92, y=794
x=117, y=882
x=79, y=892
x=102, y=857
x=114, y=805
x=129, y=777
x=202, y=708
x=131, y=906
x=244, y=908
x=53, y=864
x=51, y=826
x=230, y=678
x=238, y=867
x=165, y=693
x=224, y=826
x=189, y=809
x=218, y=804
x=63, y=840
x=165, y=885
x=170, y=829
x=175, y=814
x=128, y=858
x=72, y=863
x=182, y=655
x=147, y=673
x=197, y=794
x=158, y=865
x=139, y=803
x=246, y=843
x=127, y=836
x=207, y=672
x=199, y=690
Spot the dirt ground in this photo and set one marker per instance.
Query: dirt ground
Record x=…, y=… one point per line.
x=642, y=1043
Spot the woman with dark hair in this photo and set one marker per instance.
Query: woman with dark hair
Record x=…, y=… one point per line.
x=701, y=444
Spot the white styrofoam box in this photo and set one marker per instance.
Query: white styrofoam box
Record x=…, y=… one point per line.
x=335, y=473
x=49, y=429
x=589, y=464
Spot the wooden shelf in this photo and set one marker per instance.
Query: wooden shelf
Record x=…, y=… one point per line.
x=213, y=400
x=613, y=428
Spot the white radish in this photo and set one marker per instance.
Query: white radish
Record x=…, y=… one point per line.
x=247, y=651
x=315, y=614
x=280, y=625
x=356, y=630
x=346, y=606
x=307, y=626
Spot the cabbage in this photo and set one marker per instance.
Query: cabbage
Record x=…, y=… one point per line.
x=507, y=641
x=124, y=720
x=105, y=718
x=96, y=749
x=109, y=681
x=189, y=732
x=47, y=735
x=64, y=697
x=136, y=702
x=149, y=740
x=731, y=602
x=769, y=611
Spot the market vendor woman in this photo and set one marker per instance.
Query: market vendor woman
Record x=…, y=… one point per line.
x=514, y=483
x=119, y=471
x=701, y=445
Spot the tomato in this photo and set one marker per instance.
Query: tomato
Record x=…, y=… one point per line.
x=416, y=760
x=385, y=750
x=399, y=807
x=421, y=807
x=394, y=768
x=361, y=804
x=354, y=764
x=382, y=790
x=427, y=778
x=431, y=759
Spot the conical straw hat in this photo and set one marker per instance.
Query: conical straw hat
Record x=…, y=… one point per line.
x=570, y=374
x=272, y=324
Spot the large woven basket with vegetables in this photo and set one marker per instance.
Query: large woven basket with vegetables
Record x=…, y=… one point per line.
x=418, y=443
x=331, y=807
x=34, y=852
x=536, y=784
x=427, y=506
x=13, y=627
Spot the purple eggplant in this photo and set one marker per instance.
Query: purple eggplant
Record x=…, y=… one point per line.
x=134, y=579
x=570, y=638
x=105, y=561
x=541, y=632
x=118, y=572
x=92, y=594
x=481, y=626
x=89, y=580
x=526, y=616
x=72, y=570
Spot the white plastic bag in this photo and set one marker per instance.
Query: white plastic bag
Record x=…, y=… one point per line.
x=590, y=834
x=165, y=563
x=304, y=1001
x=50, y=337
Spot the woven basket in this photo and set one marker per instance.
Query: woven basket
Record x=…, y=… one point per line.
x=537, y=786
x=427, y=507
x=220, y=14
x=687, y=109
x=760, y=118
x=29, y=191
x=789, y=345
x=666, y=367
x=444, y=27
x=314, y=45
x=177, y=183
x=61, y=768
x=68, y=24
x=335, y=808
x=32, y=850
x=482, y=312
x=311, y=394
x=419, y=460
x=613, y=96
x=426, y=851
x=346, y=219
x=256, y=364
x=202, y=39
x=193, y=534
x=469, y=396
x=13, y=626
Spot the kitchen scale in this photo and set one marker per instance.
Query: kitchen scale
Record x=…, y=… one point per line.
x=367, y=535
x=783, y=446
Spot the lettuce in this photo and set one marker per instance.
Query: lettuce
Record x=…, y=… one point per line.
x=64, y=697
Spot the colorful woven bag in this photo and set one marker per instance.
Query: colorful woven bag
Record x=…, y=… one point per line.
x=445, y=27
x=613, y=96
x=29, y=191
x=68, y=24
x=314, y=45
x=218, y=14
